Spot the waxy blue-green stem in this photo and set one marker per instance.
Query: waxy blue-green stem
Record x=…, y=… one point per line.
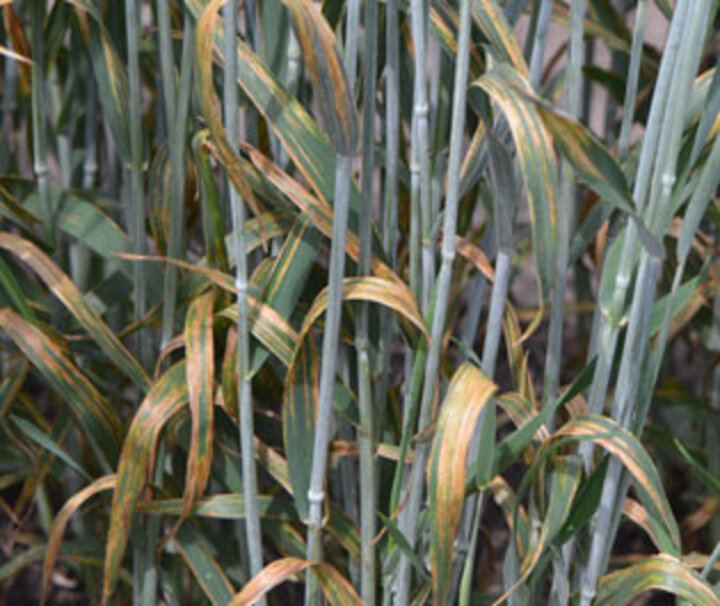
x=237, y=208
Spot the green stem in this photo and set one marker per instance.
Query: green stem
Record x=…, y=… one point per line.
x=565, y=210
x=421, y=165
x=245, y=405
x=439, y=307
x=316, y=493
x=366, y=434
x=9, y=106
x=37, y=11
x=137, y=198
x=390, y=194
x=632, y=80
x=537, y=58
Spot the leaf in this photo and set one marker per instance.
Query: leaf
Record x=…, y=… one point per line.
x=468, y=393
x=492, y=22
x=265, y=324
x=476, y=256
x=224, y=507
x=165, y=399
x=200, y=371
x=13, y=56
x=338, y=591
x=46, y=442
x=565, y=477
x=100, y=422
x=300, y=395
x=323, y=62
x=82, y=220
x=394, y=296
x=537, y=161
x=210, y=106
x=63, y=288
x=588, y=156
x=110, y=75
x=305, y=143
x=317, y=210
x=289, y=274
x=196, y=554
x=662, y=572
x=624, y=446
x=61, y=521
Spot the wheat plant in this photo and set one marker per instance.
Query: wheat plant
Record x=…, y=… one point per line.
x=382, y=303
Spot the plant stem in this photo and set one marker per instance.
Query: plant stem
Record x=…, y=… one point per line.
x=610, y=320
x=390, y=194
x=245, y=403
x=537, y=58
x=352, y=26
x=421, y=165
x=565, y=211
x=439, y=307
x=8, y=107
x=633, y=76
x=137, y=198
x=39, y=128
x=316, y=493
x=366, y=432
x=636, y=340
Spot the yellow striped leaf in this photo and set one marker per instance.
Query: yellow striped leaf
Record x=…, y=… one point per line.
x=509, y=90
x=63, y=288
x=491, y=20
x=323, y=62
x=662, y=572
x=61, y=522
x=621, y=444
x=337, y=589
x=210, y=105
x=99, y=420
x=300, y=396
x=468, y=393
x=200, y=371
x=165, y=399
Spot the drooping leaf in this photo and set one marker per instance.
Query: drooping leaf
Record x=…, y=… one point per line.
x=337, y=589
x=200, y=370
x=656, y=572
x=64, y=289
x=468, y=393
x=61, y=521
x=536, y=157
x=165, y=399
x=98, y=419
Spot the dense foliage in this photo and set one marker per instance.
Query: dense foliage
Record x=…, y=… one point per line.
x=346, y=302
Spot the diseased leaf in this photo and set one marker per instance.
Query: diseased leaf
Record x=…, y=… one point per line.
x=337, y=589
x=61, y=521
x=655, y=572
x=200, y=371
x=535, y=153
x=100, y=422
x=468, y=393
x=164, y=400
x=64, y=289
